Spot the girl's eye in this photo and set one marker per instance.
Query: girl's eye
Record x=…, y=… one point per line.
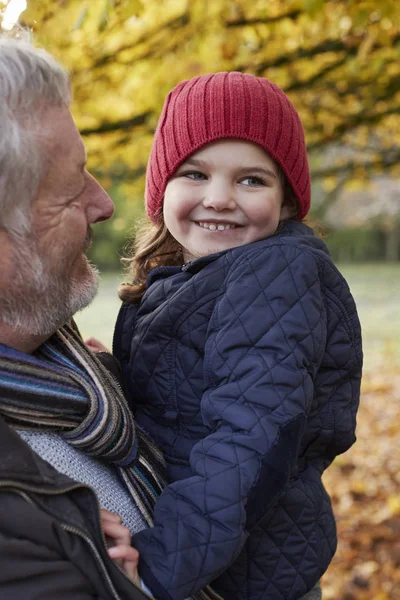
x=253, y=181
x=195, y=175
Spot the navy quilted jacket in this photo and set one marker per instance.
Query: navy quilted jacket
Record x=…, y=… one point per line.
x=245, y=367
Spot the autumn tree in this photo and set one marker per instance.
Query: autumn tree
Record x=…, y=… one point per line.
x=338, y=60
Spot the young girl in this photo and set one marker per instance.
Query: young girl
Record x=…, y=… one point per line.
x=240, y=346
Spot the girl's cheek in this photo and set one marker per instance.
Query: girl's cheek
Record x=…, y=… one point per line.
x=185, y=206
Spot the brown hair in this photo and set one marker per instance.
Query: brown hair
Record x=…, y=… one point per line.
x=154, y=246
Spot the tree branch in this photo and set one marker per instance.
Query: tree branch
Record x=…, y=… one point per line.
x=293, y=15
x=174, y=23
x=108, y=126
x=290, y=57
x=306, y=83
x=357, y=121
x=120, y=175
x=385, y=162
x=318, y=212
x=321, y=48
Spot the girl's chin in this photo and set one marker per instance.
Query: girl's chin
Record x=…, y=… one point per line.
x=214, y=248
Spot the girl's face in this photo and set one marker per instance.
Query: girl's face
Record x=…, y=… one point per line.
x=226, y=194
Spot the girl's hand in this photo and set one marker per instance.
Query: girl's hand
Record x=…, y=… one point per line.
x=96, y=346
x=118, y=539
x=127, y=558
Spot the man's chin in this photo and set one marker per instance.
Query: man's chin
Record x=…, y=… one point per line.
x=84, y=287
x=44, y=296
x=79, y=296
x=52, y=302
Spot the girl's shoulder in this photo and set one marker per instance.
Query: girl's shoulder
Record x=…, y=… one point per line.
x=294, y=254
x=293, y=240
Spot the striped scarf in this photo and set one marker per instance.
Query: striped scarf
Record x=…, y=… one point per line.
x=63, y=388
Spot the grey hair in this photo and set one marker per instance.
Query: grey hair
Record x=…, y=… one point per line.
x=31, y=80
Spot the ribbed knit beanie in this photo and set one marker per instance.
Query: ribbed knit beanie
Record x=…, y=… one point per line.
x=227, y=105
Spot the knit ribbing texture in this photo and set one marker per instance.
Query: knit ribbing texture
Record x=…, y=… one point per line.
x=63, y=388
x=227, y=105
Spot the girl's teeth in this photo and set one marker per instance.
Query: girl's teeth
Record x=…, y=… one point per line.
x=215, y=227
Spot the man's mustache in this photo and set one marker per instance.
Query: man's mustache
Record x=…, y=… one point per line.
x=88, y=239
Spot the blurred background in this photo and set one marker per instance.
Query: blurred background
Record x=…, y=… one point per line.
x=339, y=62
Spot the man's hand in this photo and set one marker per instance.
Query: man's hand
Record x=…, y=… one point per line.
x=96, y=346
x=118, y=538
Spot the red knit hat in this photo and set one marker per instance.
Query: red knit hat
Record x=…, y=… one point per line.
x=227, y=105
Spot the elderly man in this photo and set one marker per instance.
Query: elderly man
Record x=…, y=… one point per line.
x=58, y=403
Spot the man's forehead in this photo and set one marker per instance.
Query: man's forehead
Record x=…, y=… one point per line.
x=62, y=136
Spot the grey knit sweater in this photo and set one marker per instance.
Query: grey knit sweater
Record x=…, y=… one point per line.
x=103, y=478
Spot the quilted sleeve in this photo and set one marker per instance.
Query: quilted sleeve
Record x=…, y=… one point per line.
x=266, y=338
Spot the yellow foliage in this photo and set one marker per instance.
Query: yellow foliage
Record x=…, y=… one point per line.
x=330, y=183
x=365, y=488
x=338, y=60
x=394, y=504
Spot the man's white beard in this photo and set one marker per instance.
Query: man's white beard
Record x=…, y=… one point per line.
x=38, y=301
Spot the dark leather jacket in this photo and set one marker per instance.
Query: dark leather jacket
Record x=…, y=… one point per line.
x=51, y=543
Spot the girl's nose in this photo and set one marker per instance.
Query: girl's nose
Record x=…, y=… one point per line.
x=219, y=197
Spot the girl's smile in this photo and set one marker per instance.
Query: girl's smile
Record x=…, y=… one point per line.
x=227, y=194
x=217, y=225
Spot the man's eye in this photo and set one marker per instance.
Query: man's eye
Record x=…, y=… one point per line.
x=196, y=175
x=253, y=181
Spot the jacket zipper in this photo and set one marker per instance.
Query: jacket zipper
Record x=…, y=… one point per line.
x=95, y=552
x=21, y=489
x=186, y=266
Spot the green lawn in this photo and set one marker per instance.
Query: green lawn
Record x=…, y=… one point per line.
x=376, y=289
x=98, y=319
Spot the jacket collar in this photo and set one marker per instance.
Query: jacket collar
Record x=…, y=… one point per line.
x=20, y=464
x=286, y=228
x=292, y=227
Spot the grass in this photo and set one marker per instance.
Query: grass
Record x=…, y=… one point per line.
x=376, y=290
x=99, y=318
x=375, y=287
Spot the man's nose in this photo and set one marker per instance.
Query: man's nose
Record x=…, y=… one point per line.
x=100, y=205
x=220, y=196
